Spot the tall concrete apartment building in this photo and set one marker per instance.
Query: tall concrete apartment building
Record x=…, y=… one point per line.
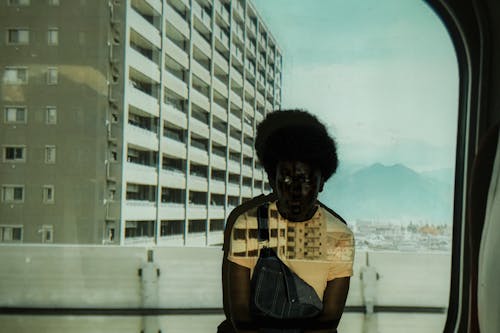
x=131, y=121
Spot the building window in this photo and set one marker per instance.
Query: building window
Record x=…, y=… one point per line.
x=19, y=2
x=18, y=36
x=47, y=232
x=15, y=114
x=53, y=2
x=195, y=226
x=53, y=36
x=48, y=194
x=51, y=115
x=14, y=154
x=175, y=227
x=50, y=154
x=12, y=193
x=11, y=233
x=15, y=75
x=52, y=75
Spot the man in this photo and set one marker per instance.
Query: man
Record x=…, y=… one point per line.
x=298, y=156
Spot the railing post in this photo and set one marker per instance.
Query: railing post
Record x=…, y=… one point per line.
x=369, y=278
x=149, y=273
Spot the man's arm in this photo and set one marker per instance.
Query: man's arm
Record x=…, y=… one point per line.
x=239, y=298
x=334, y=299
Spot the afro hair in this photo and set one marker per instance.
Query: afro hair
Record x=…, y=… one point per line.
x=290, y=135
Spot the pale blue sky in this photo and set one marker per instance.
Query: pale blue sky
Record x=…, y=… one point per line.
x=382, y=74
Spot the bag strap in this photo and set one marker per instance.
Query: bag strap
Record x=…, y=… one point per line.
x=263, y=235
x=263, y=222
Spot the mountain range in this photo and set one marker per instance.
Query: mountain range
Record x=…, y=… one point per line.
x=379, y=192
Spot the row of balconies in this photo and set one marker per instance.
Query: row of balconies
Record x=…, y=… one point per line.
x=139, y=195
x=146, y=28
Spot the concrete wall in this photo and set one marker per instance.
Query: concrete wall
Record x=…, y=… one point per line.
x=107, y=277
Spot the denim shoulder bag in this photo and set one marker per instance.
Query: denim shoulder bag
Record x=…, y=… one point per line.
x=276, y=291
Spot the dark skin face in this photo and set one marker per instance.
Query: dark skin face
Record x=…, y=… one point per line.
x=297, y=186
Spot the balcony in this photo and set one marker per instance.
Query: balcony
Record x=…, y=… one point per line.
x=269, y=107
x=234, y=145
x=222, y=37
x=177, y=21
x=198, y=183
x=222, y=12
x=172, y=179
x=251, y=48
x=139, y=210
x=252, y=27
x=173, y=147
x=201, y=72
x=261, y=81
x=248, y=151
x=246, y=191
x=196, y=212
x=238, y=9
x=246, y=170
x=270, y=72
x=143, y=64
x=141, y=137
x=201, y=100
x=262, y=41
x=175, y=84
x=177, y=53
x=140, y=174
x=217, y=186
x=237, y=56
x=238, y=32
x=258, y=117
x=260, y=98
x=278, y=81
x=219, y=137
x=233, y=189
x=220, y=86
x=270, y=54
x=236, y=77
x=143, y=101
x=234, y=121
x=221, y=62
x=262, y=60
x=175, y=116
x=198, y=155
x=236, y=99
x=172, y=211
x=216, y=212
x=219, y=111
x=218, y=161
x=248, y=108
x=143, y=27
x=249, y=88
x=199, y=127
x=250, y=69
x=201, y=43
x=202, y=16
x=248, y=130
x=270, y=91
x=155, y=4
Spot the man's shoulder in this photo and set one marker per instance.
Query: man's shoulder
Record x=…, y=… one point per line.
x=335, y=222
x=247, y=208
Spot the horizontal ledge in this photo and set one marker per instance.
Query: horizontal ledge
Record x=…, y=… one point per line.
x=47, y=311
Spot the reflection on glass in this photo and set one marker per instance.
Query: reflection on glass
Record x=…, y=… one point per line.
x=133, y=130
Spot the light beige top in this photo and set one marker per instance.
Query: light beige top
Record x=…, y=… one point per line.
x=318, y=250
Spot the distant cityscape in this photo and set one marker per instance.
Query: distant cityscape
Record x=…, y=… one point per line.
x=418, y=236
